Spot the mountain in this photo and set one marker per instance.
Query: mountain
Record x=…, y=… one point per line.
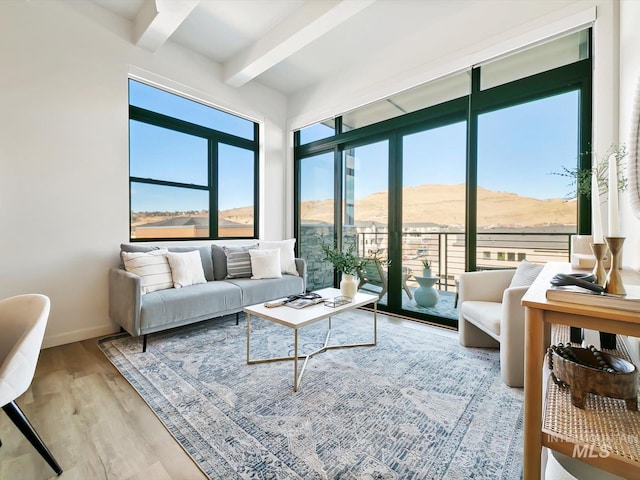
x=445, y=205
x=437, y=204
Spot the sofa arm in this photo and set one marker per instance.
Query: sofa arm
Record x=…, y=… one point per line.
x=124, y=299
x=301, y=266
x=484, y=286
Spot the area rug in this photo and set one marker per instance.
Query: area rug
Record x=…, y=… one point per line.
x=416, y=406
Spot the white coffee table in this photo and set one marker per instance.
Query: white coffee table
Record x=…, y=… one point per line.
x=296, y=319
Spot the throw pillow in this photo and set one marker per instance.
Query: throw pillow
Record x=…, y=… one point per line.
x=238, y=261
x=525, y=274
x=186, y=268
x=265, y=264
x=152, y=267
x=287, y=254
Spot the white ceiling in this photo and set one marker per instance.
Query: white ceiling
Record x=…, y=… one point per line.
x=290, y=45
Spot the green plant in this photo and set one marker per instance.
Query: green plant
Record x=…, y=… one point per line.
x=426, y=263
x=344, y=261
x=581, y=178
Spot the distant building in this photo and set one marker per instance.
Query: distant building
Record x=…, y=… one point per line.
x=190, y=227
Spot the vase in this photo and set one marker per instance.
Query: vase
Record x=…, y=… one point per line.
x=348, y=285
x=426, y=272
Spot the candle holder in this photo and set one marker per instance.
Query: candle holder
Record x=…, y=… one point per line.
x=599, y=250
x=614, y=279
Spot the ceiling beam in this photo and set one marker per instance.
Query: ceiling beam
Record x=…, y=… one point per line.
x=308, y=23
x=158, y=19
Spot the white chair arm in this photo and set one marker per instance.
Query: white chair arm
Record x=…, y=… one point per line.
x=512, y=336
x=485, y=286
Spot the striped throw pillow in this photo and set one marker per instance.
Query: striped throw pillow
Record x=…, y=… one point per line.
x=152, y=267
x=239, y=261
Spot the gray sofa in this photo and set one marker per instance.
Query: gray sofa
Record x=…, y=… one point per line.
x=141, y=314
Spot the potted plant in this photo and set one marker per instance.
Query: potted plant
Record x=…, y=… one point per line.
x=426, y=267
x=348, y=263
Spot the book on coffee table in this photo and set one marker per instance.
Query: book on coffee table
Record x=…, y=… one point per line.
x=304, y=302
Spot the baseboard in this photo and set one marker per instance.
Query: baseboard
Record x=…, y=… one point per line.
x=78, y=335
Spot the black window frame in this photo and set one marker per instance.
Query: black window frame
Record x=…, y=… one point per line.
x=576, y=76
x=214, y=139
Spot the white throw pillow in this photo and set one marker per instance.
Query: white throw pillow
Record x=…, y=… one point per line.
x=186, y=268
x=525, y=274
x=287, y=254
x=265, y=264
x=152, y=267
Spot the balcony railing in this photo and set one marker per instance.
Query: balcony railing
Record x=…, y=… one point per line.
x=446, y=250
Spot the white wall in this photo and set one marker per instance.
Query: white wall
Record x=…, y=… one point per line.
x=64, y=151
x=629, y=80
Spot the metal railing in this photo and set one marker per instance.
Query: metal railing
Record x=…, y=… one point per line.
x=446, y=250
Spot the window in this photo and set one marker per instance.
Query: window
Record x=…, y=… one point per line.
x=186, y=160
x=458, y=172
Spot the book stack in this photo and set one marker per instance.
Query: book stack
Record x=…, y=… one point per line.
x=571, y=294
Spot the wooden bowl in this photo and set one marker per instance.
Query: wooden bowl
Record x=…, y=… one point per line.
x=586, y=377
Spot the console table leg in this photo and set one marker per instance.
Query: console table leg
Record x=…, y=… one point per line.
x=534, y=354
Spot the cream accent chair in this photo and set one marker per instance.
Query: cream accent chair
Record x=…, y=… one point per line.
x=491, y=315
x=22, y=323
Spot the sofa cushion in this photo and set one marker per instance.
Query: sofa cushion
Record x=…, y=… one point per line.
x=219, y=259
x=205, y=255
x=152, y=267
x=186, y=268
x=265, y=264
x=260, y=291
x=205, y=258
x=238, y=261
x=196, y=302
x=485, y=315
x=287, y=253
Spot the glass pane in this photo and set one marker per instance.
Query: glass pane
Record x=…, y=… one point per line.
x=524, y=211
x=317, y=131
x=162, y=154
x=158, y=211
x=542, y=58
x=156, y=100
x=317, y=225
x=417, y=98
x=365, y=208
x=433, y=217
x=235, y=191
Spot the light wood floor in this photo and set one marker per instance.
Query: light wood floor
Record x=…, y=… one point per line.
x=94, y=423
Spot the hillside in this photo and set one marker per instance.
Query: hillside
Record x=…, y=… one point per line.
x=438, y=204
x=445, y=205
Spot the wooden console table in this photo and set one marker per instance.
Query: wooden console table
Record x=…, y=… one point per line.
x=612, y=438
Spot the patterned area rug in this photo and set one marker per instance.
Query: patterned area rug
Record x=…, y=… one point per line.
x=416, y=406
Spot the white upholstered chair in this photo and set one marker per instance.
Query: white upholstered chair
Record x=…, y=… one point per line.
x=491, y=315
x=23, y=319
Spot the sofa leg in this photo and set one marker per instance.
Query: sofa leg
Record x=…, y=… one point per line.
x=237, y=318
x=144, y=343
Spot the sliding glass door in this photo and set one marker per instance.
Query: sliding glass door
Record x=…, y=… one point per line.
x=316, y=211
x=433, y=215
x=525, y=205
x=365, y=209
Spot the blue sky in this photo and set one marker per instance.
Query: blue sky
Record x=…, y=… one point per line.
x=519, y=147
